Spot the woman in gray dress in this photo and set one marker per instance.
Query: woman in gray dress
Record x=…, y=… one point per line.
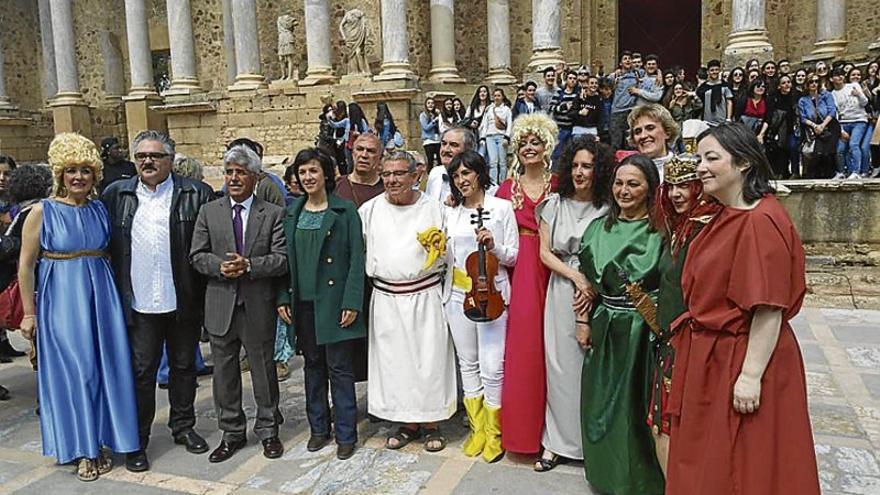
x=583, y=191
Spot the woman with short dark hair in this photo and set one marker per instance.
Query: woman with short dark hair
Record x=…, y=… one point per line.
x=479, y=345
x=740, y=422
x=26, y=186
x=324, y=297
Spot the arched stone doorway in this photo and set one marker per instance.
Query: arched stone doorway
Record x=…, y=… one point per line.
x=668, y=28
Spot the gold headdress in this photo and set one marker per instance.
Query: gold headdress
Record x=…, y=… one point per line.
x=683, y=167
x=680, y=169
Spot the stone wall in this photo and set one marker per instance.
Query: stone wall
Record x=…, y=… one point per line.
x=92, y=17
x=833, y=211
x=27, y=137
x=21, y=45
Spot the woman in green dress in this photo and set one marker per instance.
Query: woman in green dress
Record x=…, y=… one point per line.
x=619, y=255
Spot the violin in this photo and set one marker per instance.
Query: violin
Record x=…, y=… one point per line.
x=483, y=302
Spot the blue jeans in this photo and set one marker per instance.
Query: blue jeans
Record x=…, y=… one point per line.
x=327, y=363
x=794, y=154
x=497, y=157
x=849, y=153
x=866, y=149
x=564, y=137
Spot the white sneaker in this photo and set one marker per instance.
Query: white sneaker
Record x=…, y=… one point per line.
x=854, y=176
x=876, y=173
x=839, y=176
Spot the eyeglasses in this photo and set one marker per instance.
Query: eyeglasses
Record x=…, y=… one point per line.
x=395, y=173
x=142, y=157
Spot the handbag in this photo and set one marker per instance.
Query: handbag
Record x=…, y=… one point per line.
x=11, y=309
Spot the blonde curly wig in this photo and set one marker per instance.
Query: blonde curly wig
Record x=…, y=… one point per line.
x=70, y=148
x=542, y=126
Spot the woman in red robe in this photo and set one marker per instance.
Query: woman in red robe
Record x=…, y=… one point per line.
x=740, y=423
x=524, y=393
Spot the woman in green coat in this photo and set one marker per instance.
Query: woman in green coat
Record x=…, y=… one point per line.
x=323, y=299
x=620, y=249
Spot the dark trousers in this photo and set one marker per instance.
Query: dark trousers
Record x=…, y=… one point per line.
x=259, y=344
x=323, y=363
x=146, y=335
x=619, y=130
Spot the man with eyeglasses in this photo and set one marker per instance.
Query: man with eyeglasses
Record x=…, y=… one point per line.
x=239, y=247
x=152, y=217
x=411, y=357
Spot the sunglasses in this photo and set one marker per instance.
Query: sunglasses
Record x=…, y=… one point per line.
x=814, y=81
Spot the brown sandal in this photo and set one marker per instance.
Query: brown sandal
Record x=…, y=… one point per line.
x=87, y=470
x=104, y=463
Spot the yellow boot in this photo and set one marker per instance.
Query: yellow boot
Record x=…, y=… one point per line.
x=492, y=451
x=477, y=418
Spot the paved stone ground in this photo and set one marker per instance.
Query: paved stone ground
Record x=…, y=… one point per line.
x=841, y=349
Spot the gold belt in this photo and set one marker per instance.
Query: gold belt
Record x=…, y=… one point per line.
x=86, y=253
x=527, y=231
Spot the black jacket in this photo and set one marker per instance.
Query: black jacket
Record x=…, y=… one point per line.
x=121, y=200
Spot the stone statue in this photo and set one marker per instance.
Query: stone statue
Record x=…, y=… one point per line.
x=356, y=34
x=286, y=25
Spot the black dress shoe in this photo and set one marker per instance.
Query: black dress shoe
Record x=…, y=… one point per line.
x=137, y=462
x=273, y=448
x=225, y=450
x=194, y=442
x=317, y=442
x=6, y=350
x=344, y=452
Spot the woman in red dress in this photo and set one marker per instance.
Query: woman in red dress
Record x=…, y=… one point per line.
x=740, y=423
x=523, y=394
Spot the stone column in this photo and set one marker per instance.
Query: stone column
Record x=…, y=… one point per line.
x=546, y=35
x=229, y=42
x=64, y=40
x=443, y=69
x=247, y=47
x=50, y=77
x=184, y=79
x=498, y=20
x=140, y=59
x=395, y=42
x=320, y=69
x=114, y=80
x=830, y=30
x=748, y=33
x=69, y=110
x=5, y=103
x=142, y=94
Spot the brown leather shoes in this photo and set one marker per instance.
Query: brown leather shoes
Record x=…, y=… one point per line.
x=225, y=450
x=272, y=448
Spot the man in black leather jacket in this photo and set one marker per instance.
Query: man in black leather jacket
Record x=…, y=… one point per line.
x=152, y=220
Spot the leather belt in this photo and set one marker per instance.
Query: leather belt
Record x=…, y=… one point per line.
x=72, y=255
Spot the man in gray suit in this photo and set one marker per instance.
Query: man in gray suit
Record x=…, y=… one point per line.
x=239, y=245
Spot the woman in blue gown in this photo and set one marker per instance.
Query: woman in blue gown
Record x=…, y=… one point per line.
x=86, y=388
